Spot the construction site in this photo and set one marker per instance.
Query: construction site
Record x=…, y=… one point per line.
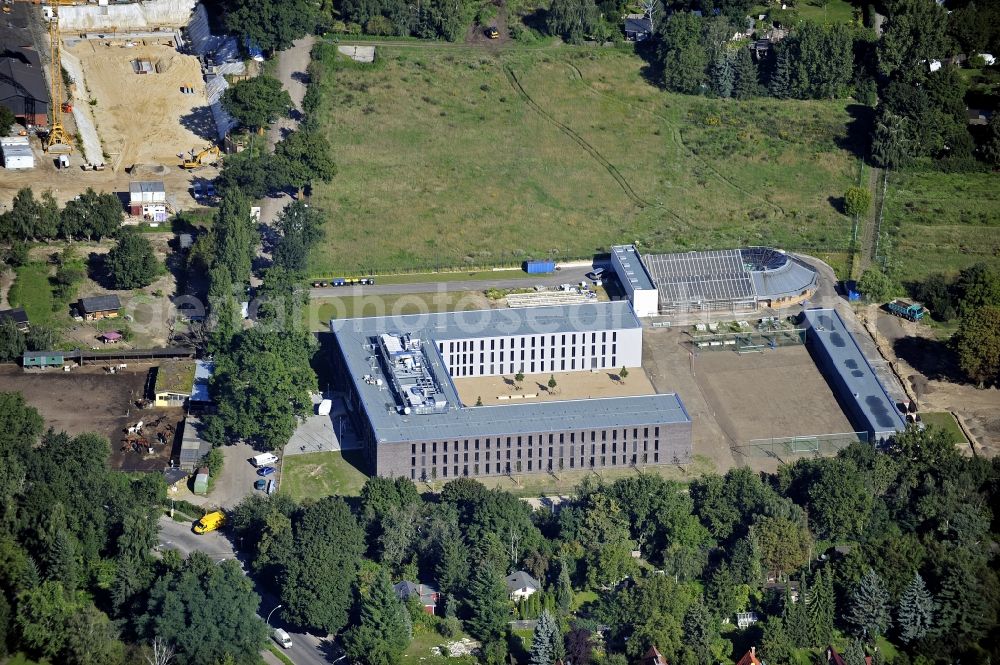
x=139, y=95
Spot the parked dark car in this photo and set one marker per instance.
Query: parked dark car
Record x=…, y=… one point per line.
x=265, y=471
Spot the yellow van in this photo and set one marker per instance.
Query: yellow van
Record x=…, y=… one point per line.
x=210, y=522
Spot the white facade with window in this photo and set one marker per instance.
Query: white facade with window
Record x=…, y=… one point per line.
x=542, y=352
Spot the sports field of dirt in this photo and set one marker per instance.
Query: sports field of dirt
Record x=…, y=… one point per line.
x=145, y=117
x=777, y=393
x=535, y=387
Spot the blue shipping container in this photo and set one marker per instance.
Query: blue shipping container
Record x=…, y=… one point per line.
x=538, y=266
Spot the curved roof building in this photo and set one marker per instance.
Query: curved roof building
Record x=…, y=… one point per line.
x=737, y=280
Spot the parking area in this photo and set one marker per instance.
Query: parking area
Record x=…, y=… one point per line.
x=327, y=433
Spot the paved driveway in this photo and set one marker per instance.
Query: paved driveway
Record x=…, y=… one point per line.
x=324, y=433
x=238, y=476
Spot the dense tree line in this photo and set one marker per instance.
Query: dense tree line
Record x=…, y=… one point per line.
x=921, y=113
x=275, y=24
x=90, y=216
x=263, y=376
x=915, y=565
x=698, y=56
x=78, y=580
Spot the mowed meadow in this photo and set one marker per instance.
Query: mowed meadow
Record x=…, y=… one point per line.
x=458, y=157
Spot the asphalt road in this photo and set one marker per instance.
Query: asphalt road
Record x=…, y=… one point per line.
x=306, y=649
x=565, y=276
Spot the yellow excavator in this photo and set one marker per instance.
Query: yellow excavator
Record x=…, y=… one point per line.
x=198, y=159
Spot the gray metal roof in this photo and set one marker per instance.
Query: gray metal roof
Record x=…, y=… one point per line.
x=138, y=186
x=855, y=372
x=635, y=268
x=731, y=275
x=777, y=275
x=695, y=277
x=586, y=317
x=356, y=340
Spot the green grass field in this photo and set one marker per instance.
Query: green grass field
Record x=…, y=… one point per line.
x=946, y=421
x=455, y=157
x=942, y=222
x=315, y=475
x=33, y=291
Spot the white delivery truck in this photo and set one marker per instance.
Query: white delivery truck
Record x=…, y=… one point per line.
x=324, y=407
x=264, y=459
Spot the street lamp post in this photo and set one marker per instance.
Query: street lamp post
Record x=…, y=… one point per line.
x=268, y=619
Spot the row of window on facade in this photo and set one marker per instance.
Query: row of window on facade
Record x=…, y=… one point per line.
x=470, y=345
x=531, y=440
x=519, y=466
x=583, y=451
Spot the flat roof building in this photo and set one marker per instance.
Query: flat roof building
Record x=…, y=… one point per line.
x=148, y=199
x=735, y=280
x=174, y=383
x=17, y=153
x=397, y=372
x=865, y=400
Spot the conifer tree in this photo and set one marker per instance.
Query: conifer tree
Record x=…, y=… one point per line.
x=796, y=618
x=915, y=615
x=564, y=588
x=821, y=609
x=855, y=653
x=383, y=630
x=723, y=75
x=869, y=611
x=488, y=604
x=780, y=85
x=544, y=639
x=745, y=84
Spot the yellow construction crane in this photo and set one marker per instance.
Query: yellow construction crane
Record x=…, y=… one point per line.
x=60, y=141
x=198, y=159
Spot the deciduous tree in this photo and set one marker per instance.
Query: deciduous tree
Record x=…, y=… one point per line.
x=257, y=102
x=271, y=24
x=131, y=263
x=261, y=388
x=206, y=611
x=978, y=345
x=857, y=201
x=681, y=53
x=302, y=158
x=318, y=576
x=875, y=285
